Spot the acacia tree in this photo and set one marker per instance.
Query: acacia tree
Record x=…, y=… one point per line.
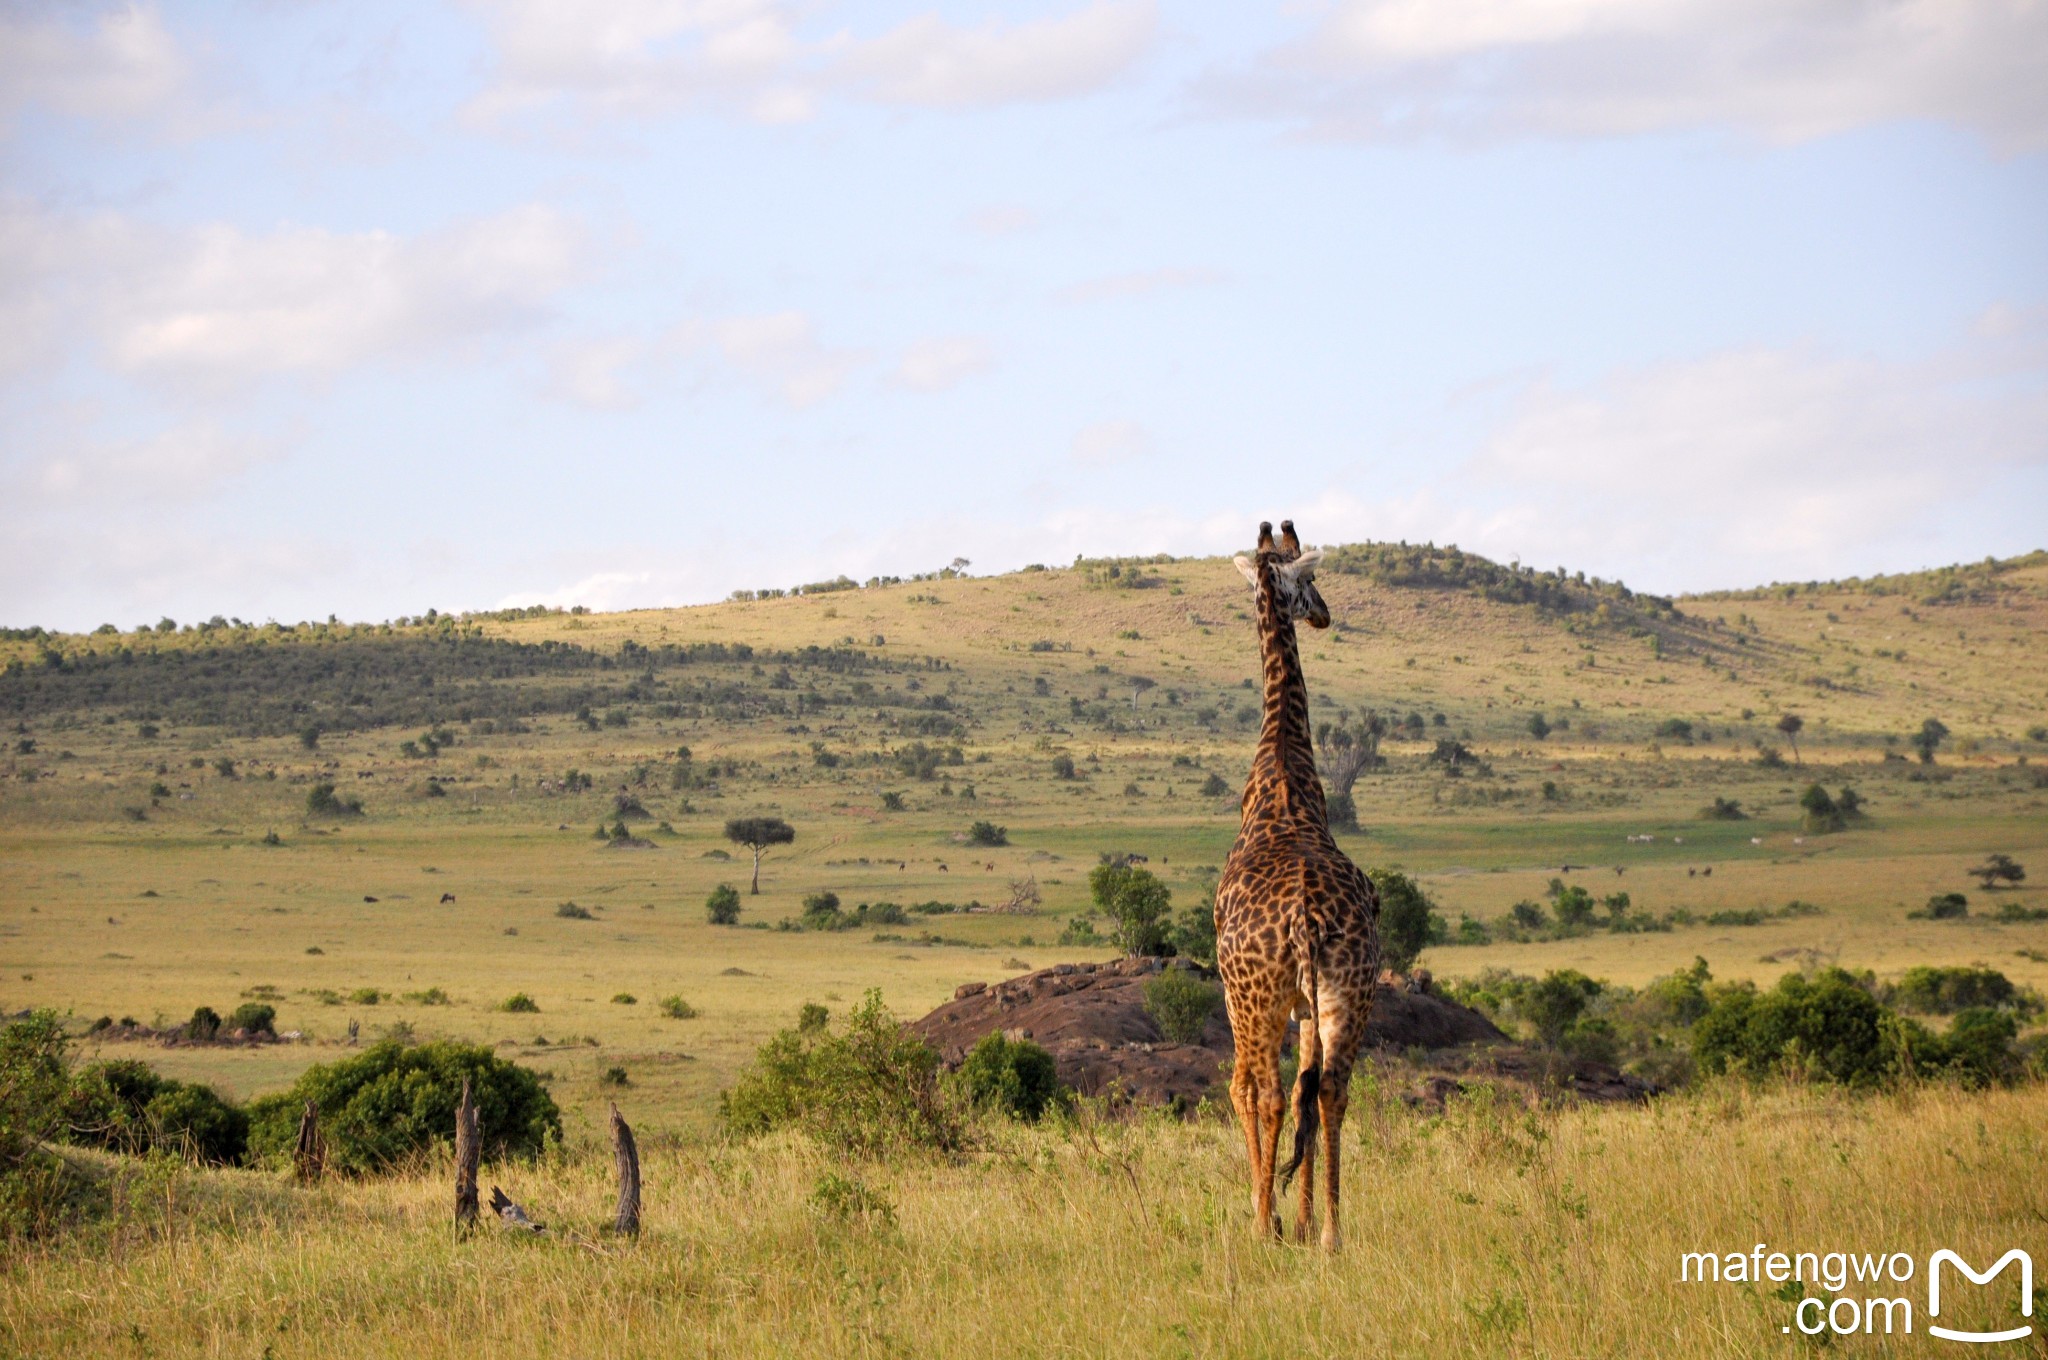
x=1790, y=724
x=1931, y=734
x=1350, y=751
x=1999, y=868
x=757, y=834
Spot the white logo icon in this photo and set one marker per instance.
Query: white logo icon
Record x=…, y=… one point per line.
x=1934, y=1293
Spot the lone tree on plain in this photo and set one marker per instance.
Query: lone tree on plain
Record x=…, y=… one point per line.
x=757, y=834
x=1790, y=724
x=1931, y=734
x=1999, y=868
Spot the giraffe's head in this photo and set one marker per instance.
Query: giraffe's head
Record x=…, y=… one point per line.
x=1289, y=571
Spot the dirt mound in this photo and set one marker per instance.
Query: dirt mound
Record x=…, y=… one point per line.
x=1092, y=1019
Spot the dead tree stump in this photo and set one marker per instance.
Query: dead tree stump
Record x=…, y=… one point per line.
x=628, y=1153
x=467, y=1148
x=309, y=1159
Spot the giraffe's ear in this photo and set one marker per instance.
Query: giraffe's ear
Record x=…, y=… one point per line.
x=1304, y=566
x=1251, y=573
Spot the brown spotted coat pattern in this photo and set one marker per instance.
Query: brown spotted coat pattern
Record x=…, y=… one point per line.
x=1297, y=924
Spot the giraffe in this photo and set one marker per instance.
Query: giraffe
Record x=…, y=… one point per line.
x=1297, y=924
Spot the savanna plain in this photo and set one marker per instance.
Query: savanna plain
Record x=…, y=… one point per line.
x=499, y=832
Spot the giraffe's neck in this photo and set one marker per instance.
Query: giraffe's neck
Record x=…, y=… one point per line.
x=1283, y=784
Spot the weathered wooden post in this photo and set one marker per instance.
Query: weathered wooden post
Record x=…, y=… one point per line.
x=467, y=1149
x=628, y=1153
x=310, y=1157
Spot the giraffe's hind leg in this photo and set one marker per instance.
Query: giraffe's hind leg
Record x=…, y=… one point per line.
x=1260, y=1101
x=1305, y=1210
x=1343, y=1032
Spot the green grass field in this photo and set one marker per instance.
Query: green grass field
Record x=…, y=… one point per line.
x=136, y=881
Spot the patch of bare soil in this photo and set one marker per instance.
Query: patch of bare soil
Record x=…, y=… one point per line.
x=1092, y=1019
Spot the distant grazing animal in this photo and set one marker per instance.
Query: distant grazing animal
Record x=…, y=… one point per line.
x=446, y=898
x=368, y=898
x=1297, y=925
x=944, y=870
x=1707, y=872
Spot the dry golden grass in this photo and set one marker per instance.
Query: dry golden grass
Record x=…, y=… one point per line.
x=1489, y=1232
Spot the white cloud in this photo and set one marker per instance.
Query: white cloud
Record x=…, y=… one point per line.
x=184, y=462
x=599, y=590
x=649, y=58
x=782, y=351
x=125, y=66
x=1111, y=441
x=1137, y=284
x=1001, y=219
x=1785, y=70
x=591, y=373
x=930, y=62
x=215, y=306
x=936, y=364
x=1747, y=465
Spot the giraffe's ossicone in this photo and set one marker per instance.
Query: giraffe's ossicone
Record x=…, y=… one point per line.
x=1297, y=923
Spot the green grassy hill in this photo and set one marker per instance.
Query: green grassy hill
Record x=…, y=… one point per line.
x=145, y=771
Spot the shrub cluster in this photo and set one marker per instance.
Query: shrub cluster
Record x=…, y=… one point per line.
x=1830, y=1025
x=1181, y=1004
x=390, y=1102
x=872, y=1090
x=1011, y=1076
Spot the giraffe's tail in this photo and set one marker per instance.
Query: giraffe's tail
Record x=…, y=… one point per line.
x=1309, y=1085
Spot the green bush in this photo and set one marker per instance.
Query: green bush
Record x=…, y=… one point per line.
x=870, y=1091
x=1136, y=901
x=253, y=1017
x=124, y=1106
x=391, y=1102
x=1950, y=906
x=322, y=802
x=675, y=1008
x=988, y=833
x=821, y=911
x=38, y=1191
x=204, y=1024
x=1408, y=921
x=1194, y=932
x=1978, y=1046
x=1679, y=997
x=1013, y=1076
x=1555, y=1003
x=1826, y=1024
x=722, y=907
x=519, y=1003
x=1947, y=990
x=1181, y=1004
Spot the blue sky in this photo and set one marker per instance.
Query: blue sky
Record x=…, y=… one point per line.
x=360, y=309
